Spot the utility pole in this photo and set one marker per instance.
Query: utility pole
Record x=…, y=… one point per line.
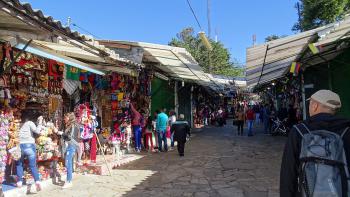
x=254, y=39
x=208, y=16
x=69, y=21
x=299, y=15
x=209, y=33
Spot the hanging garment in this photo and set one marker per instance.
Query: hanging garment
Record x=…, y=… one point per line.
x=72, y=73
x=93, y=150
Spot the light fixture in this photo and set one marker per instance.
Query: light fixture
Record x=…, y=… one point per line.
x=273, y=83
x=183, y=83
x=205, y=40
x=268, y=88
x=59, y=58
x=161, y=76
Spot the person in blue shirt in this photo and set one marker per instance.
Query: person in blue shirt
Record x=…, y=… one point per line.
x=161, y=126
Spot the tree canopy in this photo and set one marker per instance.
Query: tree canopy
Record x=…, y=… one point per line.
x=219, y=56
x=316, y=13
x=273, y=37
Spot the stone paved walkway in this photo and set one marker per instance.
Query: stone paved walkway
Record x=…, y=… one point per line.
x=216, y=163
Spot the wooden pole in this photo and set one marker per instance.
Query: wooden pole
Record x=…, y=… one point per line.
x=103, y=154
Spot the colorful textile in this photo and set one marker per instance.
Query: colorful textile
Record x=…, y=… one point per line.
x=73, y=73
x=295, y=68
x=84, y=76
x=315, y=49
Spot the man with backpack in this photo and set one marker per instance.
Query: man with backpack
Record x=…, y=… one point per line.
x=315, y=157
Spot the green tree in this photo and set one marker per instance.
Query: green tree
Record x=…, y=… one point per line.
x=273, y=37
x=316, y=13
x=219, y=56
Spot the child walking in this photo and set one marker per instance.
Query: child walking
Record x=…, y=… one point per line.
x=56, y=176
x=115, y=141
x=149, y=134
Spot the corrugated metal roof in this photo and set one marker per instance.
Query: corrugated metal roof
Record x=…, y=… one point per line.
x=330, y=42
x=70, y=50
x=279, y=53
x=175, y=61
x=37, y=15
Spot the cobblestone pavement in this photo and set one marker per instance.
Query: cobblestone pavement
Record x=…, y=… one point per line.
x=216, y=163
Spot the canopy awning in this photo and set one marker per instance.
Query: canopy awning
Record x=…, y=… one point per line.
x=272, y=60
x=175, y=61
x=331, y=43
x=45, y=52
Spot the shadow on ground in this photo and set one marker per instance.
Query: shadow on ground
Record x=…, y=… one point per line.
x=216, y=163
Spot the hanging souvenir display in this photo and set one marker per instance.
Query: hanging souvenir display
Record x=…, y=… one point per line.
x=88, y=125
x=6, y=56
x=56, y=76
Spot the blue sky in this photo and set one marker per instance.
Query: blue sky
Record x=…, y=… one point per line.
x=157, y=21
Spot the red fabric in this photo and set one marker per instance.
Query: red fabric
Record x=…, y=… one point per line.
x=22, y=62
x=91, y=79
x=250, y=114
x=168, y=133
x=149, y=138
x=93, y=148
x=54, y=69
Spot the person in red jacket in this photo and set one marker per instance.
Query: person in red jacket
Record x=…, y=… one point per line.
x=250, y=117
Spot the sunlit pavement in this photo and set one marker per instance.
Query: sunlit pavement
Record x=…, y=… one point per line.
x=216, y=163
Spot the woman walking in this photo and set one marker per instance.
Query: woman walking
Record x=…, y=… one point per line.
x=240, y=120
x=72, y=139
x=27, y=144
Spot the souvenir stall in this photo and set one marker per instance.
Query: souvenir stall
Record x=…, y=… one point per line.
x=115, y=100
x=286, y=93
x=110, y=98
x=29, y=79
x=201, y=98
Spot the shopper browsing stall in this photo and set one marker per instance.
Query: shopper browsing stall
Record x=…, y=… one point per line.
x=136, y=125
x=27, y=145
x=161, y=126
x=72, y=139
x=172, y=120
x=148, y=134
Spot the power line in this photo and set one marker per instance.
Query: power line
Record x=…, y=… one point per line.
x=194, y=14
x=83, y=29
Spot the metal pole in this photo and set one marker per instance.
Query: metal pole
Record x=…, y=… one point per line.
x=330, y=78
x=176, y=98
x=303, y=95
x=191, y=99
x=262, y=68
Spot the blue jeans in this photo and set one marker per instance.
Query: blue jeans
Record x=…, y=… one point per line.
x=172, y=140
x=70, y=152
x=257, y=118
x=27, y=151
x=250, y=127
x=162, y=139
x=137, y=134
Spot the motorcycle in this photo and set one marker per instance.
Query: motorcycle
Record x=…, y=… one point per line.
x=279, y=127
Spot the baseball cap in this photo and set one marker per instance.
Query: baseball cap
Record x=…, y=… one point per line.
x=327, y=98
